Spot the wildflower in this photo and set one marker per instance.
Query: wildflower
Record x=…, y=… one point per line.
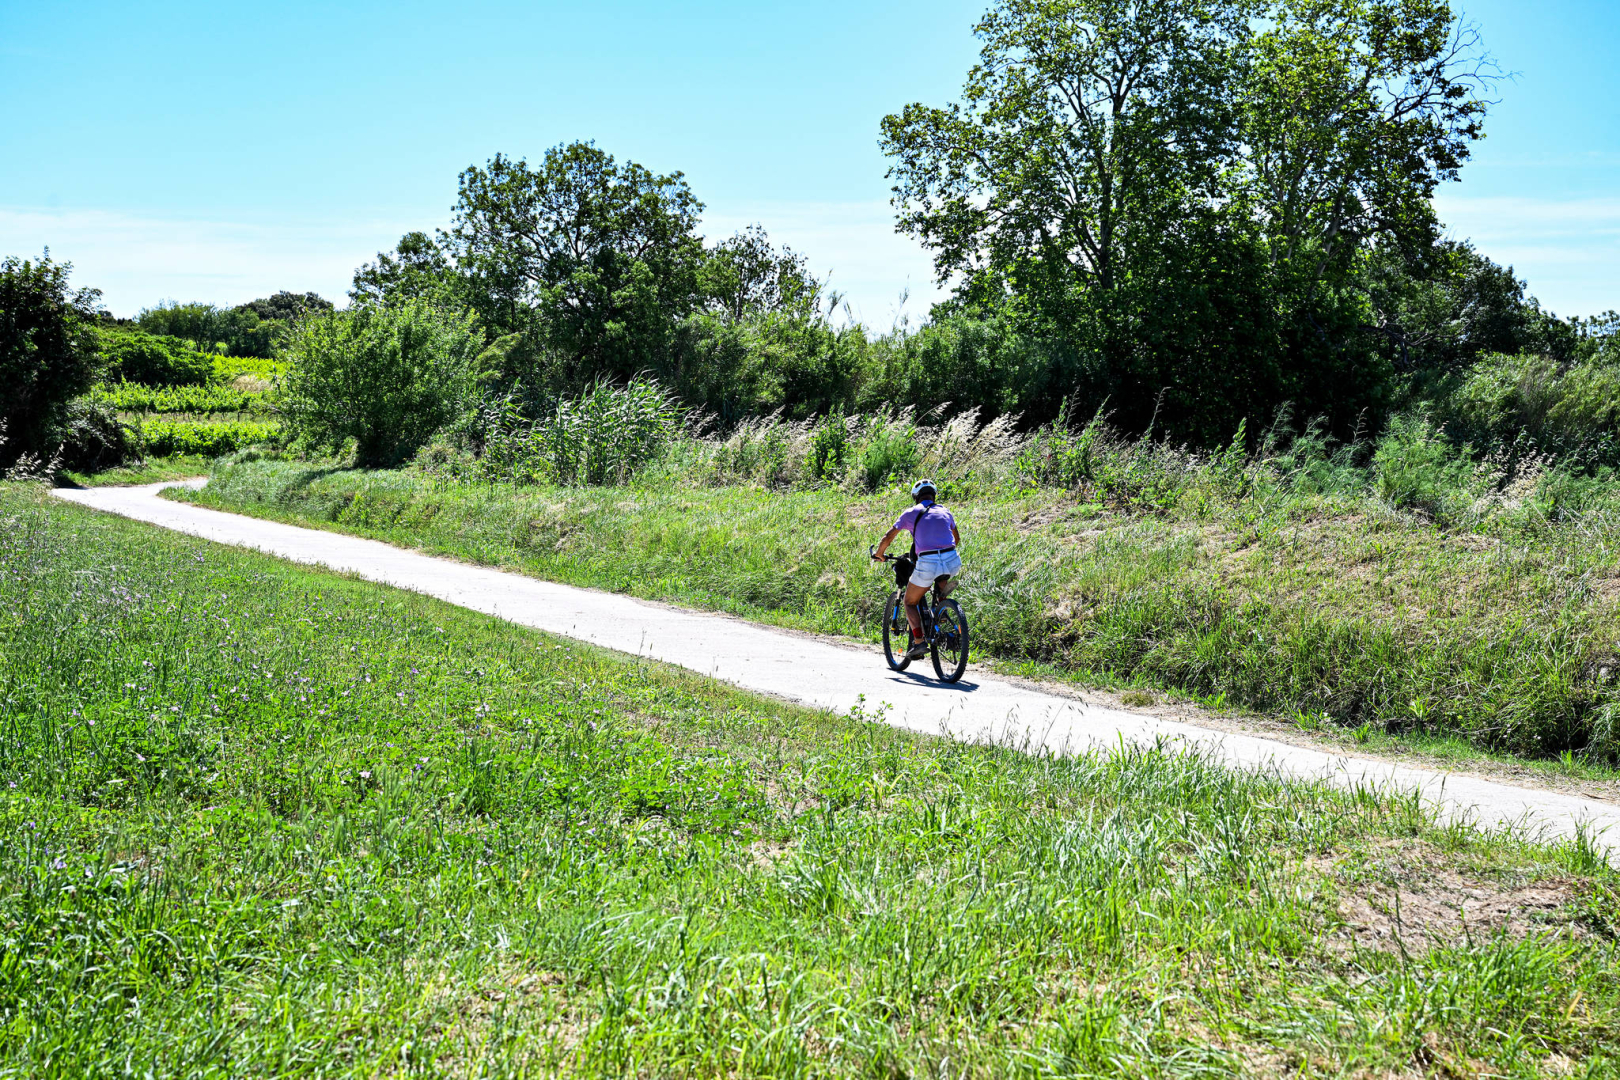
x=365, y=774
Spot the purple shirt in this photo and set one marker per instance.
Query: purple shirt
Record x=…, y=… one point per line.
x=931, y=526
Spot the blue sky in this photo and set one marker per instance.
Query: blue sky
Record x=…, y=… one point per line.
x=222, y=151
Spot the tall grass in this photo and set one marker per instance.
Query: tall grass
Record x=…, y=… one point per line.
x=606, y=435
x=259, y=820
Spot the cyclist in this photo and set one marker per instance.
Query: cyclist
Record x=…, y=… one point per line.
x=934, y=538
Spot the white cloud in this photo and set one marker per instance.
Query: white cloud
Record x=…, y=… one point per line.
x=1567, y=249
x=137, y=260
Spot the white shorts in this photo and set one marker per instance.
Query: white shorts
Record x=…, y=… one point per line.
x=930, y=568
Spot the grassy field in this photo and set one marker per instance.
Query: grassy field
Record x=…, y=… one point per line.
x=1326, y=609
x=151, y=470
x=260, y=820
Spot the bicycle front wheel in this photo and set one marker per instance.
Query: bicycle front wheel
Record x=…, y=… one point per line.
x=896, y=632
x=950, y=646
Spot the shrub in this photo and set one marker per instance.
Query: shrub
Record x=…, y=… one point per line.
x=829, y=448
x=48, y=354
x=93, y=438
x=888, y=448
x=133, y=356
x=386, y=377
x=1537, y=403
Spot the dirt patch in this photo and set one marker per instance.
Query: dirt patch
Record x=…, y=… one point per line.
x=468, y=1012
x=767, y=855
x=1404, y=898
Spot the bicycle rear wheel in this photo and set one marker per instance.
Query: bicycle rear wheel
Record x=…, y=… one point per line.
x=950, y=646
x=896, y=632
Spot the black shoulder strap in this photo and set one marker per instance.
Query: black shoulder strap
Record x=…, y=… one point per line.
x=916, y=526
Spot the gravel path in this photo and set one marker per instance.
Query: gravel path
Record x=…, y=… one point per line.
x=828, y=675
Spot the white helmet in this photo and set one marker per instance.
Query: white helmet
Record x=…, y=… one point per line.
x=921, y=486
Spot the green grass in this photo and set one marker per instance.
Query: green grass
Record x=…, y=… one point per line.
x=260, y=820
x=150, y=471
x=1338, y=609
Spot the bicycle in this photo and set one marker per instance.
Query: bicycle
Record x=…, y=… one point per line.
x=945, y=626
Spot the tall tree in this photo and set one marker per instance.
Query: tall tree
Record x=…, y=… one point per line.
x=1354, y=111
x=1086, y=130
x=417, y=269
x=746, y=275
x=1184, y=194
x=603, y=255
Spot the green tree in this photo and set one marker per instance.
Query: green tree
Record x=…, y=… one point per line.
x=417, y=269
x=386, y=376
x=1182, y=196
x=602, y=256
x=255, y=328
x=287, y=307
x=1086, y=130
x=1353, y=112
x=745, y=275
x=48, y=352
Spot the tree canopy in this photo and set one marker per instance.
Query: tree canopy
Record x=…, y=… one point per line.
x=1183, y=196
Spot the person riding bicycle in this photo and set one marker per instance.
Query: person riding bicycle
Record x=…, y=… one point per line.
x=934, y=538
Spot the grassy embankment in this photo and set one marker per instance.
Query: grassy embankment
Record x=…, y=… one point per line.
x=1329, y=609
x=262, y=820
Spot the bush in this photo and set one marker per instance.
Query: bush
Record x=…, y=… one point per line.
x=1416, y=468
x=829, y=449
x=1537, y=403
x=888, y=448
x=93, y=438
x=133, y=356
x=48, y=354
x=386, y=377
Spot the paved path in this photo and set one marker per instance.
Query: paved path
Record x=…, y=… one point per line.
x=831, y=676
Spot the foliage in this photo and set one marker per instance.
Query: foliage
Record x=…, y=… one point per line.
x=745, y=275
x=137, y=357
x=603, y=255
x=287, y=307
x=264, y=820
x=196, y=400
x=256, y=328
x=417, y=269
x=93, y=438
x=386, y=377
x=207, y=438
x=1176, y=198
x=606, y=435
x=48, y=354
x=1533, y=403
